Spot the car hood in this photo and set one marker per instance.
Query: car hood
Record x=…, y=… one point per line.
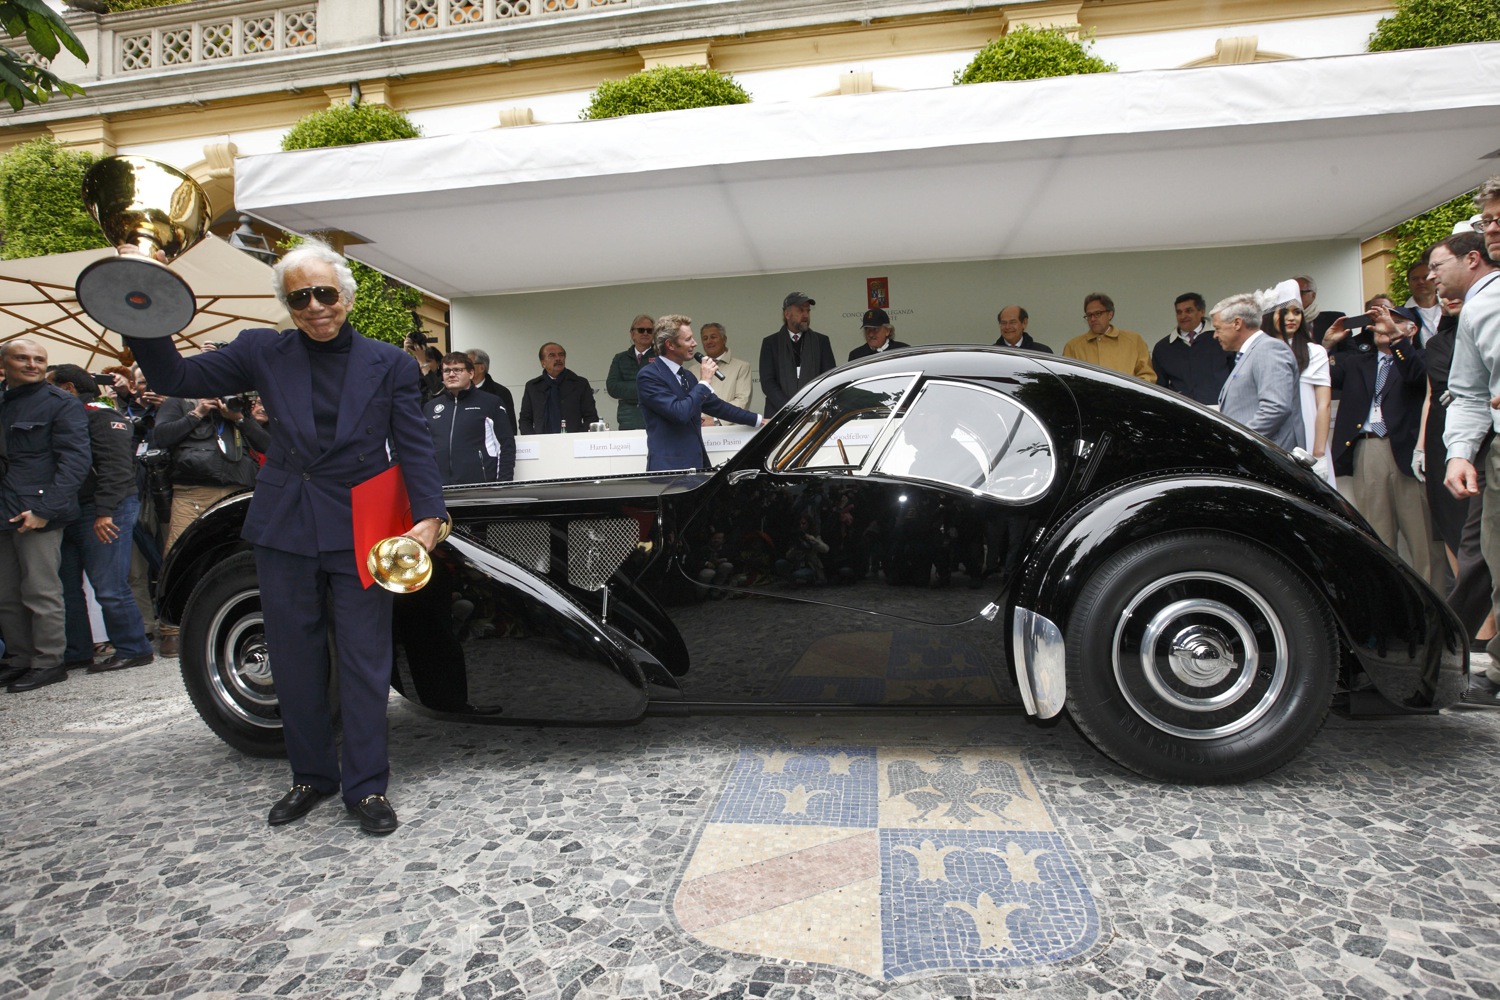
x=635, y=489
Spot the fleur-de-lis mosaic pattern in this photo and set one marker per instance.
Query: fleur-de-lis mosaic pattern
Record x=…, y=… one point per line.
x=886, y=861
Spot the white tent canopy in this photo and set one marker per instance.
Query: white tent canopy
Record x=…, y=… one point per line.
x=1341, y=147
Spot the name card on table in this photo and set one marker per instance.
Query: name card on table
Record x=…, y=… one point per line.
x=527, y=450
x=599, y=446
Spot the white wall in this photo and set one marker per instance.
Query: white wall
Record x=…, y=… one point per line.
x=929, y=303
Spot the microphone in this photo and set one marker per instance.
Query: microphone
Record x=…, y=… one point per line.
x=698, y=357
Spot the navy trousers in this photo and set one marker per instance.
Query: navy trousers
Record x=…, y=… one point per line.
x=302, y=597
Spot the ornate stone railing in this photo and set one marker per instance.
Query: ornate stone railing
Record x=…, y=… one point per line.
x=204, y=34
x=429, y=15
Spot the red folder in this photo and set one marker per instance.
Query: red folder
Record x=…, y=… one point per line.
x=381, y=509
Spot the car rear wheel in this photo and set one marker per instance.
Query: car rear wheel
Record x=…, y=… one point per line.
x=225, y=664
x=1199, y=658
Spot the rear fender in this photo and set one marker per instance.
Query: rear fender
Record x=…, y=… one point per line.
x=210, y=539
x=1397, y=627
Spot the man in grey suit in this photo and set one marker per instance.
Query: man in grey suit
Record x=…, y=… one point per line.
x=1261, y=392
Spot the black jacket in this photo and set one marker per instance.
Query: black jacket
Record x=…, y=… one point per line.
x=197, y=458
x=507, y=401
x=865, y=351
x=779, y=378
x=1401, y=403
x=472, y=438
x=47, y=454
x=1028, y=343
x=112, y=441
x=575, y=396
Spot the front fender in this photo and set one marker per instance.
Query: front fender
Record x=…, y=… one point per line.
x=1402, y=633
x=211, y=538
x=489, y=640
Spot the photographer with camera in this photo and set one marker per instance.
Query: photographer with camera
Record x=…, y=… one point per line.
x=210, y=441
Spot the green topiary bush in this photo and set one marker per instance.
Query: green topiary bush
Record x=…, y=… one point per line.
x=41, y=205
x=1419, y=24
x=665, y=88
x=346, y=125
x=1414, y=236
x=1027, y=53
x=117, y=6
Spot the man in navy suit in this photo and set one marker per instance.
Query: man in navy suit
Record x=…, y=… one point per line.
x=339, y=404
x=673, y=401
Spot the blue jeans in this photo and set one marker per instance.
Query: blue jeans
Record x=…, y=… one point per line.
x=108, y=569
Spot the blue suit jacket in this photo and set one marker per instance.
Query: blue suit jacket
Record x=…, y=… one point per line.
x=301, y=501
x=673, y=414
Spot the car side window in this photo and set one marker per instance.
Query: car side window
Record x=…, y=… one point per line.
x=839, y=431
x=974, y=438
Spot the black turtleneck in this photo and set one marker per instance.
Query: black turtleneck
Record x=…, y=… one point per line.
x=329, y=360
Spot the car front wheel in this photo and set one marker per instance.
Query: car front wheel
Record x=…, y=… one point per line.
x=225, y=665
x=1199, y=658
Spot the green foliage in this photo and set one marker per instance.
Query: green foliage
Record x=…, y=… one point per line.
x=117, y=6
x=346, y=125
x=47, y=34
x=1414, y=236
x=382, y=306
x=1027, y=53
x=41, y=204
x=665, y=88
x=1419, y=24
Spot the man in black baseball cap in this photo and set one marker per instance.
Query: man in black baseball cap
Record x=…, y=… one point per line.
x=794, y=355
x=878, y=331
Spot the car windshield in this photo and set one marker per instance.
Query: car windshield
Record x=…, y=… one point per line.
x=838, y=432
x=972, y=437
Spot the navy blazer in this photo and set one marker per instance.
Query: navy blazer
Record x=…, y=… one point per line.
x=301, y=501
x=673, y=414
x=1400, y=406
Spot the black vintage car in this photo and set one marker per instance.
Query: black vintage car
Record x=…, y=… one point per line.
x=952, y=528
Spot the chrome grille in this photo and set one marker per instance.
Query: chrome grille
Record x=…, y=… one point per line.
x=597, y=547
x=527, y=542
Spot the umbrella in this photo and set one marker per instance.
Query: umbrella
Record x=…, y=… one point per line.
x=37, y=301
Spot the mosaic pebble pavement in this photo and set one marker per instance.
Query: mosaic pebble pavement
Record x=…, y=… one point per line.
x=558, y=863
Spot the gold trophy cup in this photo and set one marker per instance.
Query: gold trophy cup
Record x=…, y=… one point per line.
x=400, y=564
x=159, y=210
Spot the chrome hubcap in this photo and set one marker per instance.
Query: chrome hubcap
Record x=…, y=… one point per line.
x=1200, y=655
x=239, y=666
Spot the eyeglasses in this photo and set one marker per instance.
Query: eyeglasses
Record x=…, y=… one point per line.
x=1483, y=223
x=454, y=371
x=640, y=329
x=302, y=297
x=1096, y=315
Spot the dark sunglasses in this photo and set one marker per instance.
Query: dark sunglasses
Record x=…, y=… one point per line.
x=302, y=297
x=640, y=329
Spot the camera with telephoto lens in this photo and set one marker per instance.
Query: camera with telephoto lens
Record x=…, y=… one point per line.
x=235, y=404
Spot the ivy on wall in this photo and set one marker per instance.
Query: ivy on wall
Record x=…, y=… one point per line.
x=382, y=306
x=1418, y=24
x=665, y=88
x=41, y=208
x=1027, y=53
x=1414, y=236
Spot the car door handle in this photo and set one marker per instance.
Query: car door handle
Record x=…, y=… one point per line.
x=739, y=474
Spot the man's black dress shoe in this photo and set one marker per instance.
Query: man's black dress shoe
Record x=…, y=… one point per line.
x=34, y=678
x=9, y=673
x=295, y=804
x=118, y=662
x=375, y=815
